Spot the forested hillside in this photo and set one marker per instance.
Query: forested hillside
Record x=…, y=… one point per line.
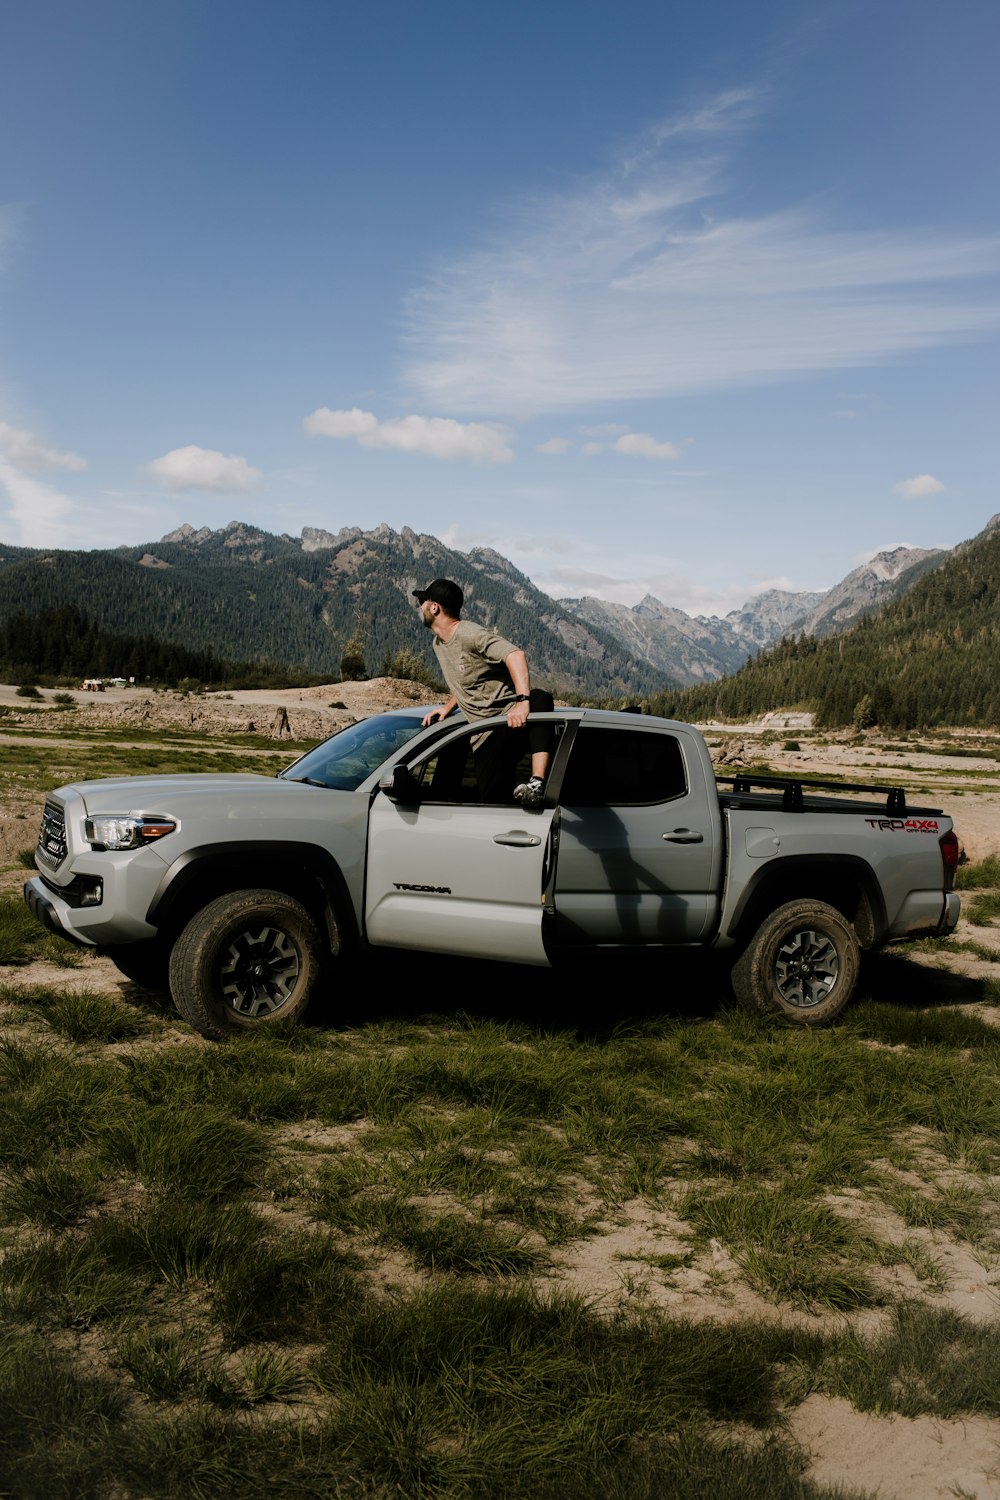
x=65, y=642
x=931, y=657
x=249, y=595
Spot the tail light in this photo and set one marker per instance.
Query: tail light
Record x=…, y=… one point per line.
x=949, y=857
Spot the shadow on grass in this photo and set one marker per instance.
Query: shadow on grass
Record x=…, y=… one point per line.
x=594, y=997
x=894, y=978
x=597, y=996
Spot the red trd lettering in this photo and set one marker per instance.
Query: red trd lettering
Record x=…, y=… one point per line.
x=911, y=825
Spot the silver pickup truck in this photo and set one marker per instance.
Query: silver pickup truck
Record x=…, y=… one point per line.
x=242, y=892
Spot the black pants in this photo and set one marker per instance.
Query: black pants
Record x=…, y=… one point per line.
x=498, y=755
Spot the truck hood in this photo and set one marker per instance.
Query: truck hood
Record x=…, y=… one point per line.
x=166, y=794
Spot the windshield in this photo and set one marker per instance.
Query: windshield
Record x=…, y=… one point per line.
x=349, y=758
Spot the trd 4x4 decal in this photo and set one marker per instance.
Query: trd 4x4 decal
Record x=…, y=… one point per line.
x=905, y=825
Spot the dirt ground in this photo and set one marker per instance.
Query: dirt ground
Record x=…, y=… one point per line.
x=894, y=1457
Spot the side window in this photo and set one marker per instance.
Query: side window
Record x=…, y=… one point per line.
x=449, y=775
x=616, y=767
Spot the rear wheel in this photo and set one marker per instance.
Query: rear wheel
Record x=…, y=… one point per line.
x=248, y=960
x=802, y=963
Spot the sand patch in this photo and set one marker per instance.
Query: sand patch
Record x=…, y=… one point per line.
x=900, y=1458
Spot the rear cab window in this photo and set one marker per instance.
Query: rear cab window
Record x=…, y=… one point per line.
x=623, y=767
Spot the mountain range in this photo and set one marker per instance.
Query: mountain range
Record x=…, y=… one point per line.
x=249, y=594
x=702, y=648
x=928, y=657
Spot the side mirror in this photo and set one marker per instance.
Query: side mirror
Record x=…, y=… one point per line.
x=400, y=785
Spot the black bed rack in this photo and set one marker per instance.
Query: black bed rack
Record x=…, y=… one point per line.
x=791, y=790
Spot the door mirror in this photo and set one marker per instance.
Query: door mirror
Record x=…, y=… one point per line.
x=400, y=785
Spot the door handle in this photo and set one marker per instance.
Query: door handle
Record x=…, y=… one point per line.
x=517, y=839
x=684, y=836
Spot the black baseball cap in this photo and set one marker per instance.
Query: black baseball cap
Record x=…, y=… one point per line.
x=443, y=592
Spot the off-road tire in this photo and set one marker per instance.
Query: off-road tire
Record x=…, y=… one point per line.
x=802, y=963
x=248, y=960
x=146, y=964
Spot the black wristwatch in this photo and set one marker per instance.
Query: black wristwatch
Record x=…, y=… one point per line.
x=522, y=698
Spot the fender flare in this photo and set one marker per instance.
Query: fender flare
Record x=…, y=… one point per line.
x=267, y=856
x=801, y=867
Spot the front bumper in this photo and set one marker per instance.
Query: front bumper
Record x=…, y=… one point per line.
x=45, y=910
x=128, y=884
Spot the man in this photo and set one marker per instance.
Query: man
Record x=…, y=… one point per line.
x=488, y=676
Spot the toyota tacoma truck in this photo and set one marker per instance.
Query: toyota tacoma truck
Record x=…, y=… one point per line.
x=243, y=893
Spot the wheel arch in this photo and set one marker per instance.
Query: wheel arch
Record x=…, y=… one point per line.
x=843, y=881
x=304, y=871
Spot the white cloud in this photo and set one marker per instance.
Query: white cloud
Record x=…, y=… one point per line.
x=918, y=487
x=195, y=468
x=554, y=446
x=582, y=581
x=676, y=590
x=341, y=424
x=37, y=510
x=641, y=445
x=27, y=452
x=636, y=445
x=633, y=583
x=435, y=437
x=645, y=284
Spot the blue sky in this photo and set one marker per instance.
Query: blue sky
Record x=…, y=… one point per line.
x=649, y=297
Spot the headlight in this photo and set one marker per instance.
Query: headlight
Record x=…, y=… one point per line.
x=121, y=831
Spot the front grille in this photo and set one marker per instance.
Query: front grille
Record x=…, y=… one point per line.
x=51, y=848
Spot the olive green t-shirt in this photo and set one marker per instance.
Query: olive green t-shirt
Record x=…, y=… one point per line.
x=472, y=664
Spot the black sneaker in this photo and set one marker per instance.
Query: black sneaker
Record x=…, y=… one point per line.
x=530, y=793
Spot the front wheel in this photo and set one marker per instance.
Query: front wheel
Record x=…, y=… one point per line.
x=802, y=963
x=247, y=960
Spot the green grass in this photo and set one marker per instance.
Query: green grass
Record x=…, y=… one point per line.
x=928, y=1362
x=86, y=1015
x=967, y=945
x=23, y=938
x=88, y=756
x=202, y=1215
x=985, y=872
x=449, y=1396
x=983, y=909
x=54, y=1192
x=895, y=1025
x=791, y=1248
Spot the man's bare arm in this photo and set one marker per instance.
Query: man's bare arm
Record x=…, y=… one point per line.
x=517, y=665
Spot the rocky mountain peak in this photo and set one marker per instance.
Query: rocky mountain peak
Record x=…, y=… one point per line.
x=889, y=564
x=187, y=533
x=315, y=539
